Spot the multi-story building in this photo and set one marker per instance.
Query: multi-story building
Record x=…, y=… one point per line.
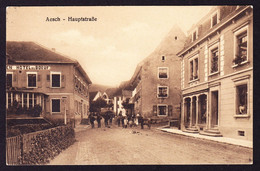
x=217, y=74
x=36, y=75
x=155, y=85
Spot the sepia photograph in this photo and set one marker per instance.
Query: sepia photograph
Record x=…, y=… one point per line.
x=129, y=85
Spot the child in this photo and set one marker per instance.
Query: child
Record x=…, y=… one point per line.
x=125, y=122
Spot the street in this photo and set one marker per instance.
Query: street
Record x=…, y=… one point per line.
x=118, y=146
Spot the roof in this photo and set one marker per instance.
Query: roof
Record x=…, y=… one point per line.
x=92, y=95
x=31, y=52
x=228, y=13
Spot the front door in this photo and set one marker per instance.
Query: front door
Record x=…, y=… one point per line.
x=214, y=108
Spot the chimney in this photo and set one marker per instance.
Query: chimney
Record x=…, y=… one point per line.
x=53, y=49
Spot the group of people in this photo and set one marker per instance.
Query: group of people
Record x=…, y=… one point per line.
x=108, y=117
x=125, y=120
x=131, y=120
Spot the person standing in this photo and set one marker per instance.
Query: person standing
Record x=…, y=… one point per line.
x=125, y=122
x=141, y=120
x=99, y=120
x=119, y=117
x=91, y=119
x=106, y=117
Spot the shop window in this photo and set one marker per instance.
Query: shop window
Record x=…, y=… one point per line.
x=163, y=72
x=242, y=101
x=162, y=110
x=31, y=77
x=194, y=68
x=55, y=105
x=56, y=80
x=9, y=80
x=162, y=91
x=241, y=46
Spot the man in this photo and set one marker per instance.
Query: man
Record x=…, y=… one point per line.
x=98, y=120
x=119, y=117
x=91, y=119
x=106, y=117
x=140, y=120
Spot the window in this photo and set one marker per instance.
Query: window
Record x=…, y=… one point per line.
x=194, y=62
x=163, y=72
x=55, y=79
x=162, y=110
x=30, y=100
x=214, y=57
x=194, y=35
x=214, y=18
x=9, y=80
x=162, y=91
x=241, y=45
x=31, y=78
x=55, y=105
x=241, y=99
x=163, y=58
x=214, y=60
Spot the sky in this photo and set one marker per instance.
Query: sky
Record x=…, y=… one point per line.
x=108, y=49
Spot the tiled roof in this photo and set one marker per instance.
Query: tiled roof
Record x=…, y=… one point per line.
x=31, y=52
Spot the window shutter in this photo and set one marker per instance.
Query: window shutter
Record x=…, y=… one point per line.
x=170, y=110
x=63, y=81
x=48, y=80
x=39, y=83
x=155, y=110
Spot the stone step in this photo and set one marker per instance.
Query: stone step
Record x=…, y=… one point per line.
x=213, y=131
x=190, y=131
x=210, y=134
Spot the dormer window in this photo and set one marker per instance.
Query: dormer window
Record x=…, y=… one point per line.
x=194, y=35
x=214, y=18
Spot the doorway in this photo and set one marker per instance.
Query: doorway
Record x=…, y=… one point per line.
x=214, y=108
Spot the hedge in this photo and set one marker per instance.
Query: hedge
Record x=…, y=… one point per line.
x=48, y=144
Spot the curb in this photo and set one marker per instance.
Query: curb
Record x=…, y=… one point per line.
x=207, y=138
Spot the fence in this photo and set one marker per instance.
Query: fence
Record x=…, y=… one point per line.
x=16, y=146
x=13, y=150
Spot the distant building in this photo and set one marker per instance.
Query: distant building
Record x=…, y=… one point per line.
x=36, y=75
x=217, y=74
x=155, y=85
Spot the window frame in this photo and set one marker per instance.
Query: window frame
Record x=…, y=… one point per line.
x=211, y=18
x=158, y=87
x=210, y=49
x=238, y=82
x=51, y=106
x=166, y=72
x=193, y=58
x=10, y=73
x=166, y=110
x=55, y=73
x=237, y=32
x=27, y=73
x=192, y=35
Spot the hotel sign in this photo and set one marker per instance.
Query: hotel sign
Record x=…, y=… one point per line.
x=28, y=67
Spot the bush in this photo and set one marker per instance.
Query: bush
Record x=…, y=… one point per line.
x=47, y=145
x=26, y=128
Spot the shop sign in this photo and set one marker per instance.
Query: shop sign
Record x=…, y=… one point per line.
x=28, y=67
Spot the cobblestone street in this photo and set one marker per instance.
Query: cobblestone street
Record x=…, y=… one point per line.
x=118, y=146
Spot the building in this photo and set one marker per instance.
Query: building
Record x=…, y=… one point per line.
x=155, y=85
x=36, y=75
x=217, y=74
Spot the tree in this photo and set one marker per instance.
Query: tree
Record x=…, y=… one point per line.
x=95, y=106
